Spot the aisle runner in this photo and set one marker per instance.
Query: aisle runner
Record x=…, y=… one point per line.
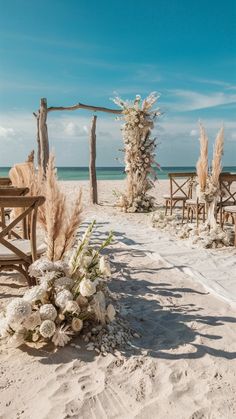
x=216, y=269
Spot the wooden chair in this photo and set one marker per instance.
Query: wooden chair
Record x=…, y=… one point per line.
x=227, y=192
x=196, y=209
x=10, y=191
x=5, y=181
x=230, y=212
x=181, y=185
x=19, y=253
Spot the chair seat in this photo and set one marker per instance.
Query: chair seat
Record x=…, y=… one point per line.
x=23, y=245
x=231, y=209
x=226, y=203
x=175, y=197
x=193, y=202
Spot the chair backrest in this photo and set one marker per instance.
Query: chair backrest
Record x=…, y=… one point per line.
x=5, y=181
x=181, y=184
x=29, y=206
x=12, y=191
x=228, y=188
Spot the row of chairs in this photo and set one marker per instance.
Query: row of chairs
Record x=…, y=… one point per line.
x=182, y=192
x=18, y=241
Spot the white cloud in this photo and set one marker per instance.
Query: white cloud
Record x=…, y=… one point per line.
x=69, y=134
x=193, y=133
x=6, y=132
x=188, y=100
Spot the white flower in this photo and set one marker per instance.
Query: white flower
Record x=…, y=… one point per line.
x=62, y=336
x=104, y=267
x=33, y=294
x=86, y=261
x=47, y=329
x=48, y=312
x=77, y=324
x=18, y=310
x=40, y=266
x=32, y=321
x=87, y=288
x=62, y=298
x=47, y=279
x=111, y=312
x=72, y=307
x=4, y=327
x=63, y=282
x=62, y=266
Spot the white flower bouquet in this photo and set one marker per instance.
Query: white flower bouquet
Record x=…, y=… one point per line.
x=68, y=293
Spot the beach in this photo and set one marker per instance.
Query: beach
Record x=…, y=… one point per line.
x=179, y=301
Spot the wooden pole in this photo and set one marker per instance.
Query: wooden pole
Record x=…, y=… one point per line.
x=43, y=134
x=92, y=162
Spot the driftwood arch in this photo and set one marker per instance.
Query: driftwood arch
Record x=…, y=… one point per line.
x=43, y=141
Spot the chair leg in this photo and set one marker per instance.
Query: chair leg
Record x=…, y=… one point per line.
x=183, y=213
x=166, y=208
x=235, y=230
x=203, y=213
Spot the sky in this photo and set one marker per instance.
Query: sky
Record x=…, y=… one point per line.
x=72, y=51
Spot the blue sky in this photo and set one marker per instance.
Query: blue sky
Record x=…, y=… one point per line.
x=70, y=51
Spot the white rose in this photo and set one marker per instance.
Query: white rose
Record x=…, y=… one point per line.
x=87, y=288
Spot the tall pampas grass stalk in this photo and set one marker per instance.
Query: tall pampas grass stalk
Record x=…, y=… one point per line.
x=59, y=220
x=202, y=164
x=217, y=157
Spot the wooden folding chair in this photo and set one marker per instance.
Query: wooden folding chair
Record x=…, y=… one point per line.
x=181, y=185
x=18, y=253
x=230, y=212
x=227, y=192
x=10, y=191
x=5, y=181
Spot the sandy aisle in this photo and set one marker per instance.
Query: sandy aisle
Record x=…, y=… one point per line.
x=183, y=365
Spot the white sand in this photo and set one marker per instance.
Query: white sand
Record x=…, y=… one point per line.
x=184, y=364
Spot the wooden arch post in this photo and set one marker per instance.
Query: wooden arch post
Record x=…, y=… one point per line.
x=43, y=143
x=92, y=162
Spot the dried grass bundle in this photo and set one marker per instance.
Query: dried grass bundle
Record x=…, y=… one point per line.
x=202, y=164
x=217, y=156
x=59, y=221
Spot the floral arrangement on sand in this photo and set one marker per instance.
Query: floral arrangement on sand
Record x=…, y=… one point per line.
x=208, y=189
x=139, y=148
x=68, y=293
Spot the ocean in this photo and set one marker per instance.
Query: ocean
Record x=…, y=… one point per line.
x=112, y=173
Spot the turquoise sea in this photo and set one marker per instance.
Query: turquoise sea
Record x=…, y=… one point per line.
x=111, y=173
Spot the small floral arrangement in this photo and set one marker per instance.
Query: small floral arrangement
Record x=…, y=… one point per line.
x=68, y=293
x=139, y=150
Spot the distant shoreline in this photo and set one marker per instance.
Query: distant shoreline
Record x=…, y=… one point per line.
x=112, y=173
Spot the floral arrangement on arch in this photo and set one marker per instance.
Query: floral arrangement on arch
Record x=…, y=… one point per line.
x=139, y=148
x=68, y=293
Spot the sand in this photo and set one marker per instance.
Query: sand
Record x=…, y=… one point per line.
x=181, y=365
